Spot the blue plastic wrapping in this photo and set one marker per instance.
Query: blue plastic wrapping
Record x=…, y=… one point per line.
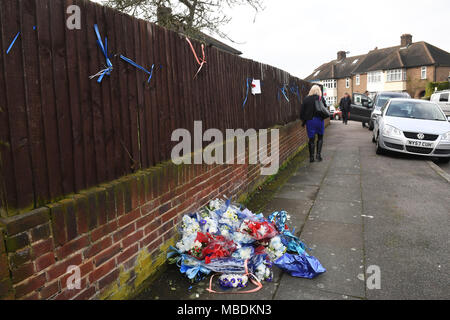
x=194, y=269
x=300, y=266
x=227, y=266
x=290, y=241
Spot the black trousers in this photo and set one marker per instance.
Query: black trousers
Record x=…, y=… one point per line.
x=345, y=116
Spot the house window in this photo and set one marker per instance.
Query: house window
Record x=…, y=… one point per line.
x=374, y=77
x=347, y=83
x=396, y=75
x=358, y=79
x=331, y=101
x=330, y=84
x=423, y=73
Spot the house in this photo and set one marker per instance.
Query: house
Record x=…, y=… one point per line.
x=407, y=67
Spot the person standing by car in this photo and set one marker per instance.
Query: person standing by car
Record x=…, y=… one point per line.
x=345, y=103
x=314, y=123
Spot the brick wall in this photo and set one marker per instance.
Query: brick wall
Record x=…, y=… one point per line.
x=342, y=88
x=117, y=234
x=363, y=84
x=415, y=85
x=5, y=281
x=442, y=73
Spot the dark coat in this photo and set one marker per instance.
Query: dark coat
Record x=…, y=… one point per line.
x=308, y=111
x=345, y=104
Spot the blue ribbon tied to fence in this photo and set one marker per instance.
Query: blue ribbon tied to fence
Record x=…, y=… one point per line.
x=283, y=91
x=12, y=43
x=295, y=90
x=248, y=81
x=134, y=64
x=104, y=48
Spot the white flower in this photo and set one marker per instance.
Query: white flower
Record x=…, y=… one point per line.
x=244, y=253
x=276, y=248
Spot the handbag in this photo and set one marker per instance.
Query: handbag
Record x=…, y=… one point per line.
x=321, y=111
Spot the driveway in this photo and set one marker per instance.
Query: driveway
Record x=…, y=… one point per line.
x=366, y=217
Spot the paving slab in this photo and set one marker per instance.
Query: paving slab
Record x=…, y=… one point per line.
x=344, y=273
x=340, y=194
x=332, y=211
x=337, y=179
x=292, y=292
x=302, y=192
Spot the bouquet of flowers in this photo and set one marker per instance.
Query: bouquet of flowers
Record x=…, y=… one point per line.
x=258, y=230
x=228, y=281
x=276, y=249
x=227, y=239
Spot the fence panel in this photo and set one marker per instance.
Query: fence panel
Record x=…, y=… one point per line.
x=63, y=132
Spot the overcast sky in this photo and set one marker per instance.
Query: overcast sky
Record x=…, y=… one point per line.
x=298, y=36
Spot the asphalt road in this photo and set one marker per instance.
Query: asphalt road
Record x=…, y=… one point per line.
x=382, y=220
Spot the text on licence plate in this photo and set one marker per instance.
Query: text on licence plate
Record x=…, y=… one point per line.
x=422, y=144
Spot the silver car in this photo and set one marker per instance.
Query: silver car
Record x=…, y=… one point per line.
x=413, y=127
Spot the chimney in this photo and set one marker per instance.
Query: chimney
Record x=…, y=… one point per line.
x=341, y=55
x=406, y=40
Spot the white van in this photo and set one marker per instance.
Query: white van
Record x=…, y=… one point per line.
x=442, y=98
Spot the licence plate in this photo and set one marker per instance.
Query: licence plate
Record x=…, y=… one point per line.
x=420, y=144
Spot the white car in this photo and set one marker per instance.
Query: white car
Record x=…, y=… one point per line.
x=413, y=127
x=442, y=99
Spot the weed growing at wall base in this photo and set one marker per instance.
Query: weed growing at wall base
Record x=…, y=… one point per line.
x=222, y=152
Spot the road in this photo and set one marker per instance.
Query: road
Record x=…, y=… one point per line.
x=360, y=213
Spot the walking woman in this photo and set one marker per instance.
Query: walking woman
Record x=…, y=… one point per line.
x=315, y=124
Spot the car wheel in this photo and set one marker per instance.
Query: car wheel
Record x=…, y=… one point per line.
x=371, y=127
x=380, y=150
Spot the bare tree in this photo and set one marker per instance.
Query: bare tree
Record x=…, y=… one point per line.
x=190, y=17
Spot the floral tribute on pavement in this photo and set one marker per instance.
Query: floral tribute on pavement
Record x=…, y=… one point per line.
x=240, y=246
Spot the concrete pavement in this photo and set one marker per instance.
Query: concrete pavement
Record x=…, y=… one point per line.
x=357, y=211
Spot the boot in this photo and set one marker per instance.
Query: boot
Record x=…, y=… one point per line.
x=319, y=150
x=312, y=148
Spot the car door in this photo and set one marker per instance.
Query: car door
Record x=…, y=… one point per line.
x=361, y=108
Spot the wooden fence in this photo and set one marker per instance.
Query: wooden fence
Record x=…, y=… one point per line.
x=61, y=132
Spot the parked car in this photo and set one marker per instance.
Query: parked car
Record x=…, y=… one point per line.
x=361, y=108
x=337, y=115
x=413, y=127
x=332, y=110
x=380, y=99
x=442, y=99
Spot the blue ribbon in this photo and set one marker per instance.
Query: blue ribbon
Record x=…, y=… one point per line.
x=139, y=67
x=283, y=91
x=12, y=43
x=104, y=48
x=246, y=95
x=295, y=90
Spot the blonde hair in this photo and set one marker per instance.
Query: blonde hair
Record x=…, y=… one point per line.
x=315, y=90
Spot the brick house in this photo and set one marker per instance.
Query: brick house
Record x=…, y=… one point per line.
x=407, y=67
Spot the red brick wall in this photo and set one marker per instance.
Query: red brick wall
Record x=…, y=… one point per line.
x=103, y=230
x=442, y=73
